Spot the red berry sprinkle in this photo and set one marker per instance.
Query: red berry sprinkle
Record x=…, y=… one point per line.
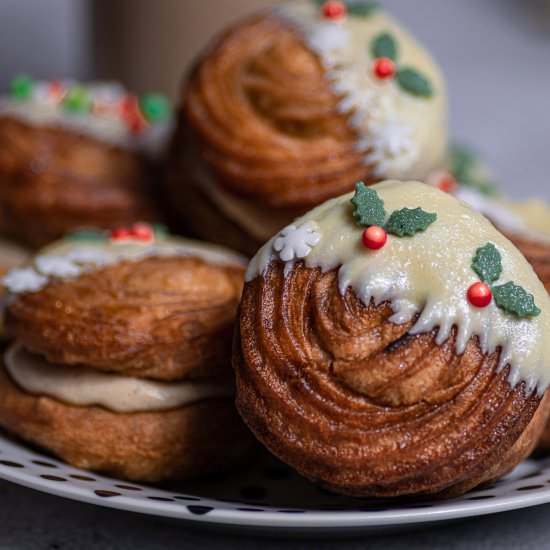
x=120, y=234
x=334, y=9
x=384, y=68
x=374, y=237
x=480, y=295
x=143, y=232
x=446, y=182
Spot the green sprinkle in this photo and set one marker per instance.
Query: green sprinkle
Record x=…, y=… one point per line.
x=384, y=45
x=487, y=263
x=467, y=168
x=362, y=9
x=87, y=235
x=21, y=87
x=515, y=300
x=160, y=230
x=155, y=107
x=414, y=82
x=407, y=222
x=77, y=100
x=369, y=207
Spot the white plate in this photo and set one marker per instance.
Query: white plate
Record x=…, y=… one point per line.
x=269, y=497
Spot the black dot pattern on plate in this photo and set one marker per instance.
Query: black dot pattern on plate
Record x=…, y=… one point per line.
x=482, y=497
x=187, y=498
x=11, y=464
x=251, y=510
x=81, y=477
x=161, y=499
x=107, y=494
x=199, y=510
x=52, y=478
x=529, y=487
x=44, y=464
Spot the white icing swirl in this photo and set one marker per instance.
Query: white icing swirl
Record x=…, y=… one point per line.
x=402, y=135
x=67, y=259
x=107, y=126
x=87, y=387
x=429, y=274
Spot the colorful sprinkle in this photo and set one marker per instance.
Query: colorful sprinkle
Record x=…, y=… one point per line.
x=374, y=237
x=383, y=68
x=480, y=295
x=334, y=10
x=21, y=87
x=155, y=107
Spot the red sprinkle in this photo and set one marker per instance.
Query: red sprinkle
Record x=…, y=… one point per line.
x=374, y=237
x=120, y=234
x=383, y=68
x=446, y=182
x=334, y=9
x=143, y=232
x=480, y=295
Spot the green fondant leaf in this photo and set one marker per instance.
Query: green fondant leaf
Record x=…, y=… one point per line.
x=470, y=171
x=487, y=263
x=514, y=299
x=407, y=222
x=362, y=9
x=160, y=230
x=414, y=82
x=369, y=207
x=384, y=45
x=87, y=235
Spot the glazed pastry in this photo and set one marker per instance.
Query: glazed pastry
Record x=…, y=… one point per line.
x=525, y=223
x=74, y=155
x=292, y=107
x=121, y=355
x=11, y=255
x=394, y=345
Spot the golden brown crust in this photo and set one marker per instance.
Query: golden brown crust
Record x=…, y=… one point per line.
x=164, y=318
x=53, y=180
x=265, y=120
x=355, y=402
x=201, y=439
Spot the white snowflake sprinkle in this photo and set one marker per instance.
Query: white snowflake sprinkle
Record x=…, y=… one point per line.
x=297, y=242
x=58, y=266
x=24, y=280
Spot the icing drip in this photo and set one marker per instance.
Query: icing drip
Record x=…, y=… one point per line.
x=427, y=276
x=86, y=387
x=104, y=122
x=401, y=134
x=67, y=259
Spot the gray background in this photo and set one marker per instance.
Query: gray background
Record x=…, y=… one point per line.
x=496, y=55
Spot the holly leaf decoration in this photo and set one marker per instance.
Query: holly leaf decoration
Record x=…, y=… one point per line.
x=362, y=9
x=407, y=222
x=514, y=299
x=369, y=207
x=87, y=235
x=384, y=45
x=414, y=82
x=469, y=170
x=487, y=263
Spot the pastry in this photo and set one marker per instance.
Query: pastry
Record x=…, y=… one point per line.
x=75, y=155
x=292, y=107
x=121, y=355
x=394, y=345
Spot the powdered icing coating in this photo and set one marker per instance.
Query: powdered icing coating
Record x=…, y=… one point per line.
x=87, y=387
x=401, y=134
x=428, y=275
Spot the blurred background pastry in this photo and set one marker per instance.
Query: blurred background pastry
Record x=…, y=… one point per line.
x=74, y=155
x=383, y=349
x=292, y=107
x=120, y=361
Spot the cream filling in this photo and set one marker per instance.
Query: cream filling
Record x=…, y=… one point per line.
x=259, y=222
x=426, y=275
x=403, y=135
x=107, y=127
x=67, y=259
x=87, y=387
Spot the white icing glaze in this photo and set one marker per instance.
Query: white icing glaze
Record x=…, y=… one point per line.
x=401, y=134
x=530, y=219
x=68, y=259
x=87, y=387
x=107, y=125
x=428, y=275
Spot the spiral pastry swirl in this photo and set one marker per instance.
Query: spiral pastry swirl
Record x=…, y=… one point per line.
x=357, y=403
